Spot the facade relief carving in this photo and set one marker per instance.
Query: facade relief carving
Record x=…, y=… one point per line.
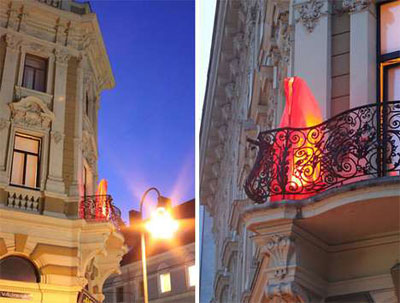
x=89, y=150
x=278, y=249
x=310, y=13
x=57, y=136
x=4, y=123
x=354, y=6
x=62, y=56
x=12, y=42
x=288, y=292
x=31, y=112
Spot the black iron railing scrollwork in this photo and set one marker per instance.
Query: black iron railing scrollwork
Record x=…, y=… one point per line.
x=99, y=208
x=356, y=145
x=54, y=3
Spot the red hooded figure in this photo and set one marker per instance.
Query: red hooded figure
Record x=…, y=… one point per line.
x=301, y=111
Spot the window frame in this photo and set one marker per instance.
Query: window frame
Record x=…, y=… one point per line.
x=44, y=70
x=25, y=153
x=160, y=284
x=188, y=275
x=384, y=61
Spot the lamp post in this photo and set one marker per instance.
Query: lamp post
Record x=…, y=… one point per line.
x=161, y=225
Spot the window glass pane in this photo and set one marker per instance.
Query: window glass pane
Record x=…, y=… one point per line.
x=31, y=170
x=27, y=144
x=120, y=294
x=35, y=62
x=192, y=275
x=390, y=24
x=40, y=79
x=394, y=83
x=18, y=269
x=28, y=77
x=165, y=282
x=17, y=168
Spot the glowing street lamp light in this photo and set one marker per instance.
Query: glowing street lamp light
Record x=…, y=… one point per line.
x=161, y=226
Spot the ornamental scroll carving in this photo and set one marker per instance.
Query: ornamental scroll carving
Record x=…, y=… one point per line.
x=31, y=112
x=12, y=42
x=355, y=6
x=62, y=56
x=278, y=248
x=289, y=292
x=310, y=12
x=88, y=149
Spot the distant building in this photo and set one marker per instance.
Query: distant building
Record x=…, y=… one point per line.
x=170, y=266
x=58, y=242
x=340, y=241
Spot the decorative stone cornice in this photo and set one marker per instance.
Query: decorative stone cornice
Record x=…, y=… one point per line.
x=31, y=112
x=355, y=6
x=309, y=13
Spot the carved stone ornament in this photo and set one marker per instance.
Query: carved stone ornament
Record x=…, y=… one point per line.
x=88, y=149
x=62, y=56
x=57, y=136
x=355, y=6
x=278, y=249
x=288, y=292
x=3, y=123
x=31, y=112
x=310, y=12
x=12, y=42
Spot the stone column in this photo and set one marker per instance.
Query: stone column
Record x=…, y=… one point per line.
x=312, y=55
x=77, y=181
x=6, y=96
x=362, y=52
x=55, y=182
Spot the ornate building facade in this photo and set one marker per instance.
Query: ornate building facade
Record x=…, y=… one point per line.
x=58, y=242
x=341, y=243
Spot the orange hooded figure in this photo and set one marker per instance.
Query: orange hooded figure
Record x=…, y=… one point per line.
x=301, y=111
x=102, y=203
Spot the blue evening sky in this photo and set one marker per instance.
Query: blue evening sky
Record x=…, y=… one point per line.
x=146, y=123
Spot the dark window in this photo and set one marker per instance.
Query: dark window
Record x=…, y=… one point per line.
x=87, y=105
x=35, y=73
x=141, y=290
x=389, y=50
x=120, y=294
x=25, y=161
x=18, y=269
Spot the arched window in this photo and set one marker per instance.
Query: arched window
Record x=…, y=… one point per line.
x=18, y=269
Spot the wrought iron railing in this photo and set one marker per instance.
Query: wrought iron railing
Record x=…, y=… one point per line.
x=99, y=208
x=356, y=145
x=54, y=3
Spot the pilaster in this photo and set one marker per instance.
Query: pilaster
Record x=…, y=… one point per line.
x=313, y=36
x=6, y=95
x=77, y=179
x=55, y=182
x=362, y=52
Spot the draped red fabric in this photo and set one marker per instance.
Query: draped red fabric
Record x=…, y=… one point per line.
x=102, y=207
x=301, y=110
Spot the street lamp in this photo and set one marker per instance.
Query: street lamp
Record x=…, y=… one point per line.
x=161, y=226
